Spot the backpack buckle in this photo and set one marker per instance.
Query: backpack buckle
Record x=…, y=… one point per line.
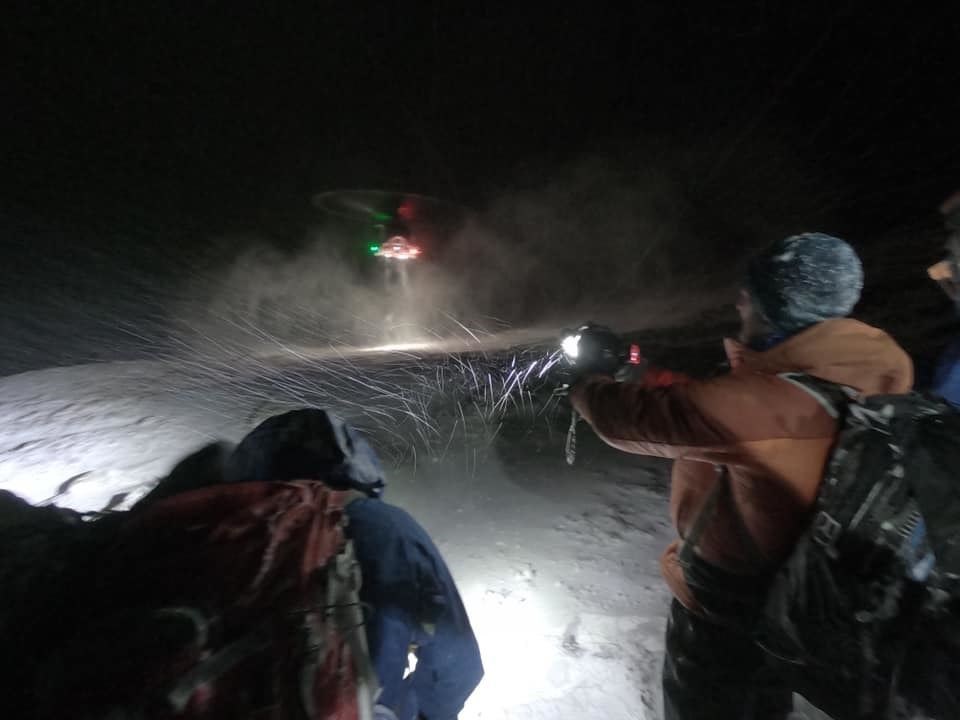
x=826, y=530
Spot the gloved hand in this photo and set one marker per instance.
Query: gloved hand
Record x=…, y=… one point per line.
x=592, y=350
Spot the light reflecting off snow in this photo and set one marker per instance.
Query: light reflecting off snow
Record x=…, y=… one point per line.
x=521, y=650
x=400, y=347
x=81, y=480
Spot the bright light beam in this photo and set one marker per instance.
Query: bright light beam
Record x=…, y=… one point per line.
x=571, y=346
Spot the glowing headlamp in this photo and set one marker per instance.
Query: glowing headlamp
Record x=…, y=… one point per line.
x=571, y=346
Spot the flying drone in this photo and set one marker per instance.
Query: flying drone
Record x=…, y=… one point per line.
x=401, y=222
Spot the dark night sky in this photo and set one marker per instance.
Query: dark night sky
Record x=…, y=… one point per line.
x=142, y=142
x=213, y=112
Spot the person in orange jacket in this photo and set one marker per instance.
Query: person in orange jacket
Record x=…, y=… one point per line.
x=749, y=451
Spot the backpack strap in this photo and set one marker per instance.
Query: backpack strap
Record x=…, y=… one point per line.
x=832, y=397
x=704, y=515
x=708, y=510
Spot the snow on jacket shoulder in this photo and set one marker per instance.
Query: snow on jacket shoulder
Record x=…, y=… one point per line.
x=773, y=437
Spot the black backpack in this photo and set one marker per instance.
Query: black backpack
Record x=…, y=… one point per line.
x=865, y=606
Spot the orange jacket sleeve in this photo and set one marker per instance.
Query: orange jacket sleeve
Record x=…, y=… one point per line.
x=666, y=421
x=713, y=420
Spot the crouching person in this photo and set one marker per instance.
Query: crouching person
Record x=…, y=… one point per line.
x=420, y=639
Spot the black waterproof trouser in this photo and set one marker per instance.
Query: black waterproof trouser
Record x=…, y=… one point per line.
x=714, y=669
x=715, y=673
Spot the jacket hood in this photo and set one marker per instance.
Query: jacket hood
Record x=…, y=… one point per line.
x=843, y=351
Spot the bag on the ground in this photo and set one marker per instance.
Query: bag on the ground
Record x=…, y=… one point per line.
x=875, y=576
x=233, y=601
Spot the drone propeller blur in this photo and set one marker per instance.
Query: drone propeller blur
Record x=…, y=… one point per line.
x=400, y=221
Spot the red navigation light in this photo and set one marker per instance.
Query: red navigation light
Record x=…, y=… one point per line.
x=407, y=209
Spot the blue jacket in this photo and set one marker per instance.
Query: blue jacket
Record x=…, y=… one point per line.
x=410, y=596
x=946, y=376
x=412, y=599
